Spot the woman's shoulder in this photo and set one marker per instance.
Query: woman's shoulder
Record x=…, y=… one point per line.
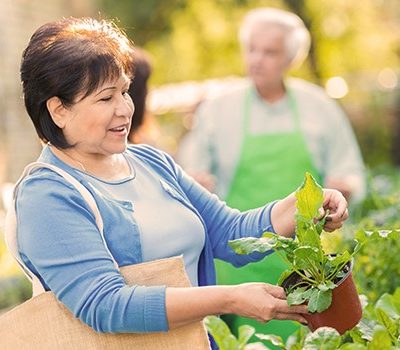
x=149, y=153
x=157, y=159
x=45, y=186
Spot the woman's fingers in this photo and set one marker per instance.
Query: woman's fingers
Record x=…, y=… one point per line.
x=275, y=291
x=335, y=202
x=281, y=306
x=294, y=317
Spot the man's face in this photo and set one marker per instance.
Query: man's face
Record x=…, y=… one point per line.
x=265, y=55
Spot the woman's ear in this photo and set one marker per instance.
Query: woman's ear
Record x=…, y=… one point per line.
x=58, y=112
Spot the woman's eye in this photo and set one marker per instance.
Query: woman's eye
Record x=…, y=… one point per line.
x=108, y=98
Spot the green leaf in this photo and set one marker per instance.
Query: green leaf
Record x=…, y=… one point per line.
x=268, y=241
x=305, y=256
x=310, y=237
x=249, y=245
x=309, y=198
x=319, y=300
x=366, y=328
x=324, y=338
x=328, y=285
x=288, y=245
x=380, y=340
x=356, y=336
x=340, y=259
x=298, y=296
x=387, y=303
x=296, y=340
x=221, y=333
x=245, y=333
x=274, y=339
x=389, y=324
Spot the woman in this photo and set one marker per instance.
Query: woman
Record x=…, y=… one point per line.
x=75, y=75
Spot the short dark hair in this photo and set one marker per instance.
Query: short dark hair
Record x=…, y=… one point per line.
x=66, y=58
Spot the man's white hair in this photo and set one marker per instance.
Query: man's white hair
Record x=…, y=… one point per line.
x=298, y=39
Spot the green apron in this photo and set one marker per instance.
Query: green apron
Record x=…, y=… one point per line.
x=270, y=167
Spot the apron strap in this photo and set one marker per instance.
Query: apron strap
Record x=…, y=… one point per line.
x=11, y=219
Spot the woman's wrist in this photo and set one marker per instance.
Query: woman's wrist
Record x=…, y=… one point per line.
x=282, y=216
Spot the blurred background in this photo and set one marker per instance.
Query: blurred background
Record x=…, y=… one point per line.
x=194, y=50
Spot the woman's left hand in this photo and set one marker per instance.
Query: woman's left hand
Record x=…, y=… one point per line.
x=335, y=202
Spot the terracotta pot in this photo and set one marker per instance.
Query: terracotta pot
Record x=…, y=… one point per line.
x=345, y=311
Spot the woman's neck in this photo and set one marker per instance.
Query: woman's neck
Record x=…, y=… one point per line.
x=112, y=167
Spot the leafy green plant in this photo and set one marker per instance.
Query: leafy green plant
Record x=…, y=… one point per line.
x=380, y=325
x=315, y=272
x=378, y=329
x=323, y=338
x=377, y=265
x=226, y=340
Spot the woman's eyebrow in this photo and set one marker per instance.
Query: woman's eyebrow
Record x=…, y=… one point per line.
x=107, y=88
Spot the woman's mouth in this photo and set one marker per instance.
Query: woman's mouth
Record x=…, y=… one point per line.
x=119, y=130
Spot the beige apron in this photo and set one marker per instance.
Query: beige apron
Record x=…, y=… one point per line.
x=44, y=323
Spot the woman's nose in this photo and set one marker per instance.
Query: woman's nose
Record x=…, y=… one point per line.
x=125, y=106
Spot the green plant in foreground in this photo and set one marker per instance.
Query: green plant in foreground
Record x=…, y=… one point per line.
x=323, y=338
x=317, y=272
x=379, y=329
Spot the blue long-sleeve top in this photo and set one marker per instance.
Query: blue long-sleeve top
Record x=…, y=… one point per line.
x=59, y=241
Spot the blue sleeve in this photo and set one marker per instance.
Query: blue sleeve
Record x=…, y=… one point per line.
x=224, y=223
x=58, y=237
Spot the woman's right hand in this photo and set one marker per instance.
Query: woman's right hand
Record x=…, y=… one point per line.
x=264, y=302
x=260, y=301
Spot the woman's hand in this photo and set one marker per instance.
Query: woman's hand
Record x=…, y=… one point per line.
x=335, y=202
x=260, y=301
x=264, y=302
x=282, y=214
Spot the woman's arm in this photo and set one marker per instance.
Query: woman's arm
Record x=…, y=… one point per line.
x=59, y=239
x=259, y=301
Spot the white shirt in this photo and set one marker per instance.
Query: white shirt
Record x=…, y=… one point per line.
x=214, y=144
x=159, y=218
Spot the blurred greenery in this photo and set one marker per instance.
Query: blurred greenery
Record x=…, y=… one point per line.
x=378, y=265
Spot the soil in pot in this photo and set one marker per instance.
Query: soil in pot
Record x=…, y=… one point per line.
x=345, y=311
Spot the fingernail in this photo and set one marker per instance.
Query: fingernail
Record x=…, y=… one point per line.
x=328, y=218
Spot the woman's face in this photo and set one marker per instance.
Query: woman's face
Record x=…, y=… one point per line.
x=265, y=55
x=99, y=123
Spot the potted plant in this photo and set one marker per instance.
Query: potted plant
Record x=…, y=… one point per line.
x=323, y=281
